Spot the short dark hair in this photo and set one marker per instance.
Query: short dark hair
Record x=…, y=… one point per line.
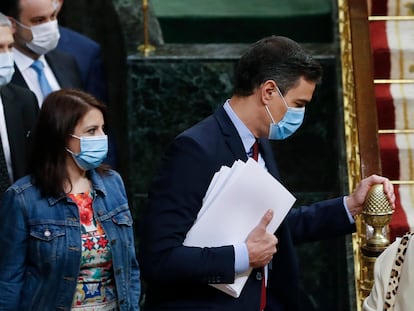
x=60, y=113
x=274, y=58
x=10, y=8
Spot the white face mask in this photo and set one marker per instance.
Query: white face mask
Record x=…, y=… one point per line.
x=6, y=67
x=45, y=37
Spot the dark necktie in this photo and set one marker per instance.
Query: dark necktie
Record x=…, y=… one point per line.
x=4, y=175
x=44, y=84
x=255, y=150
x=255, y=156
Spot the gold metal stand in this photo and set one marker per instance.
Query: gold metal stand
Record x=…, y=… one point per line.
x=146, y=48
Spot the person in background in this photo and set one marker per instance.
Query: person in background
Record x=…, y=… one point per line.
x=274, y=80
x=18, y=113
x=393, y=277
x=39, y=66
x=88, y=55
x=66, y=228
x=49, y=57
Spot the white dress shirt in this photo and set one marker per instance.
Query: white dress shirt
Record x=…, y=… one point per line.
x=24, y=62
x=5, y=141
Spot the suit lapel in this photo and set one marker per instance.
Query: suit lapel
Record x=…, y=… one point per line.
x=59, y=69
x=18, y=78
x=235, y=143
x=268, y=156
x=232, y=138
x=11, y=116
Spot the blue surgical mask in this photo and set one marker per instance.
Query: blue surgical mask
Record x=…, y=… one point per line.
x=6, y=67
x=290, y=122
x=93, y=150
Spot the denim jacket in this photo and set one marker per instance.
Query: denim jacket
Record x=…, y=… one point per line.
x=40, y=245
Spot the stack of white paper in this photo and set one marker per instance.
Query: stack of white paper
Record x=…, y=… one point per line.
x=234, y=204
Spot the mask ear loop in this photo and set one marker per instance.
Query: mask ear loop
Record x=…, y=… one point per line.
x=70, y=151
x=283, y=98
x=270, y=115
x=22, y=25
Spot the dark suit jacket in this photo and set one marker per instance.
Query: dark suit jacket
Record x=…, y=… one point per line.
x=89, y=58
x=178, y=276
x=20, y=112
x=64, y=67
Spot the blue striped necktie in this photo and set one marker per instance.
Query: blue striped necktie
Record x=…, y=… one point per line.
x=44, y=84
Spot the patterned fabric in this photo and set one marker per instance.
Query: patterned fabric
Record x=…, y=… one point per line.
x=96, y=286
x=396, y=273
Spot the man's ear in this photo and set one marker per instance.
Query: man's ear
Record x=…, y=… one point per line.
x=268, y=90
x=13, y=24
x=57, y=5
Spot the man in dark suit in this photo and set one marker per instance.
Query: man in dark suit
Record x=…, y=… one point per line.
x=18, y=113
x=88, y=55
x=39, y=66
x=274, y=80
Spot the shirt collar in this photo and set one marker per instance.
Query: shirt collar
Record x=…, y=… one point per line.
x=245, y=134
x=23, y=61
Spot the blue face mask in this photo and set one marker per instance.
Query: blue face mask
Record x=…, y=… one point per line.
x=93, y=150
x=6, y=67
x=290, y=122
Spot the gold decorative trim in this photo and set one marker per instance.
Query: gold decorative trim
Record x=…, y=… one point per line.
x=390, y=18
x=396, y=81
x=351, y=137
x=402, y=182
x=395, y=131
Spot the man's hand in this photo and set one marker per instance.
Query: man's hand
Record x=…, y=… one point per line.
x=355, y=201
x=261, y=245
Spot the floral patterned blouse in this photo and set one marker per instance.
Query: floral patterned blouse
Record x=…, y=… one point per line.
x=95, y=290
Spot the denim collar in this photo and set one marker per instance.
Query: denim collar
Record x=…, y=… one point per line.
x=97, y=186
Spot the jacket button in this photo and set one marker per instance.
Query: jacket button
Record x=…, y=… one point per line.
x=259, y=276
x=47, y=233
x=113, y=242
x=100, y=213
